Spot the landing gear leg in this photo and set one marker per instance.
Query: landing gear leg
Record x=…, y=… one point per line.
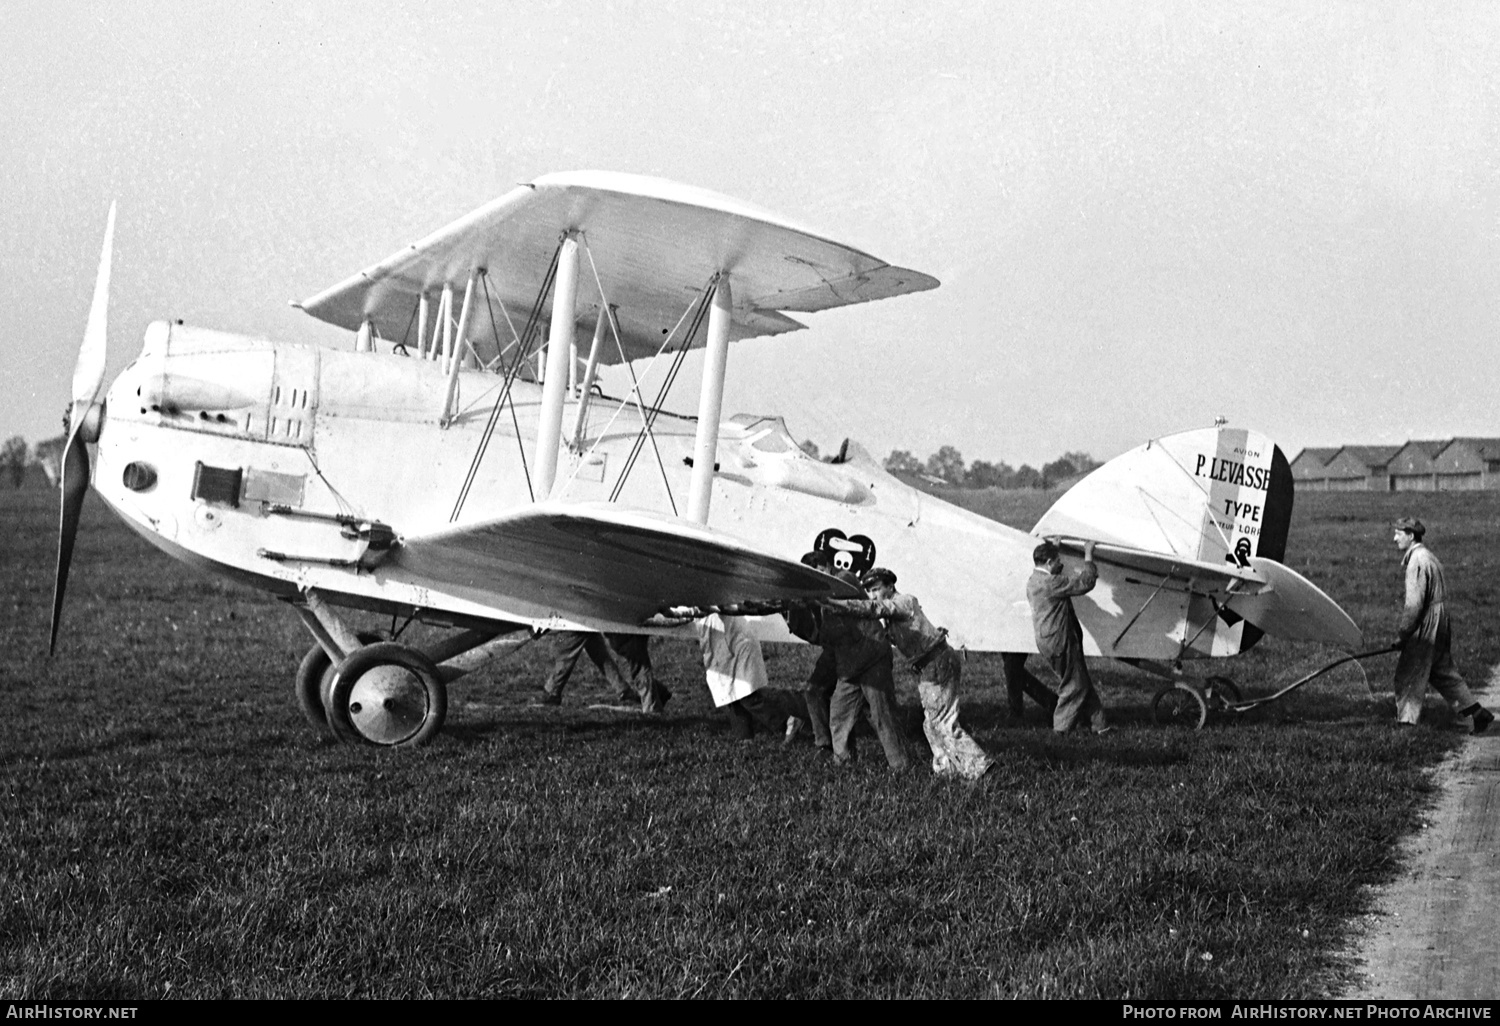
x=387, y=694
x=314, y=684
x=360, y=688
x=366, y=690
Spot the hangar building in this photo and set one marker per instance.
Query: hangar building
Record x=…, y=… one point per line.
x=1454, y=464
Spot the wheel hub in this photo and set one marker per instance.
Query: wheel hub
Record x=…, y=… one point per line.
x=388, y=704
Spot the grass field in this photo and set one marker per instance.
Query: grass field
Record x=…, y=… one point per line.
x=169, y=826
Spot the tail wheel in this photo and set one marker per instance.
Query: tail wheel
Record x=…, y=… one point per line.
x=1180, y=705
x=314, y=683
x=1224, y=687
x=387, y=694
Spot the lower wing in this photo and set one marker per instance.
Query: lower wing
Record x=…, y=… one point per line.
x=602, y=564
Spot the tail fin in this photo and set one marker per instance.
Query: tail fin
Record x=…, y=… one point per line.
x=1213, y=494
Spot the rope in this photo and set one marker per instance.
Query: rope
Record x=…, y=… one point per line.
x=344, y=505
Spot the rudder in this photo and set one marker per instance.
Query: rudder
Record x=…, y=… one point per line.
x=1212, y=494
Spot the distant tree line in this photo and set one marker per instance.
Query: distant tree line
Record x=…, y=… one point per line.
x=13, y=459
x=16, y=456
x=947, y=464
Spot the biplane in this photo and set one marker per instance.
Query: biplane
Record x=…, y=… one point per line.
x=462, y=466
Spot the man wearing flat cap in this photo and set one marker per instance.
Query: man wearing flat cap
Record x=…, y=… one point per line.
x=954, y=752
x=1059, y=638
x=1425, y=636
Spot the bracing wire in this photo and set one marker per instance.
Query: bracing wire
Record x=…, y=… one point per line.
x=515, y=337
x=407, y=333
x=652, y=412
x=515, y=422
x=510, y=374
x=704, y=302
x=634, y=394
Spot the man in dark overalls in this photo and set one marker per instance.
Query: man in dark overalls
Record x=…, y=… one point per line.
x=1059, y=638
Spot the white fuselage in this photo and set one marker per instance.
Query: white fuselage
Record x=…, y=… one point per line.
x=254, y=447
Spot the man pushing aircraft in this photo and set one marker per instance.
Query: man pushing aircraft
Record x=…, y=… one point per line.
x=1059, y=638
x=954, y=752
x=1425, y=636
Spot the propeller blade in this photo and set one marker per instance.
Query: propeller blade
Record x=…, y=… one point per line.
x=88, y=372
x=88, y=378
x=75, y=485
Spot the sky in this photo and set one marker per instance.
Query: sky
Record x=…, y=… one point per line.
x=1143, y=214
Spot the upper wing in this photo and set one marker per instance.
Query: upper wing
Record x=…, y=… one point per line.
x=602, y=564
x=653, y=245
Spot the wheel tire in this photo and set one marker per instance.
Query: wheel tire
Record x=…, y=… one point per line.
x=388, y=695
x=314, y=683
x=1223, y=686
x=316, y=670
x=1180, y=705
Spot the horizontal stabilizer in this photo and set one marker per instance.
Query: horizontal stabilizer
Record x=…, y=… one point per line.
x=604, y=564
x=1203, y=514
x=1292, y=607
x=1162, y=564
x=1210, y=604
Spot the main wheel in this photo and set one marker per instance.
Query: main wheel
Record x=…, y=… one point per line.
x=387, y=694
x=314, y=683
x=1179, y=706
x=315, y=670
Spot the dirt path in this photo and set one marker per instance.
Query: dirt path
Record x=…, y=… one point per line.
x=1436, y=934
